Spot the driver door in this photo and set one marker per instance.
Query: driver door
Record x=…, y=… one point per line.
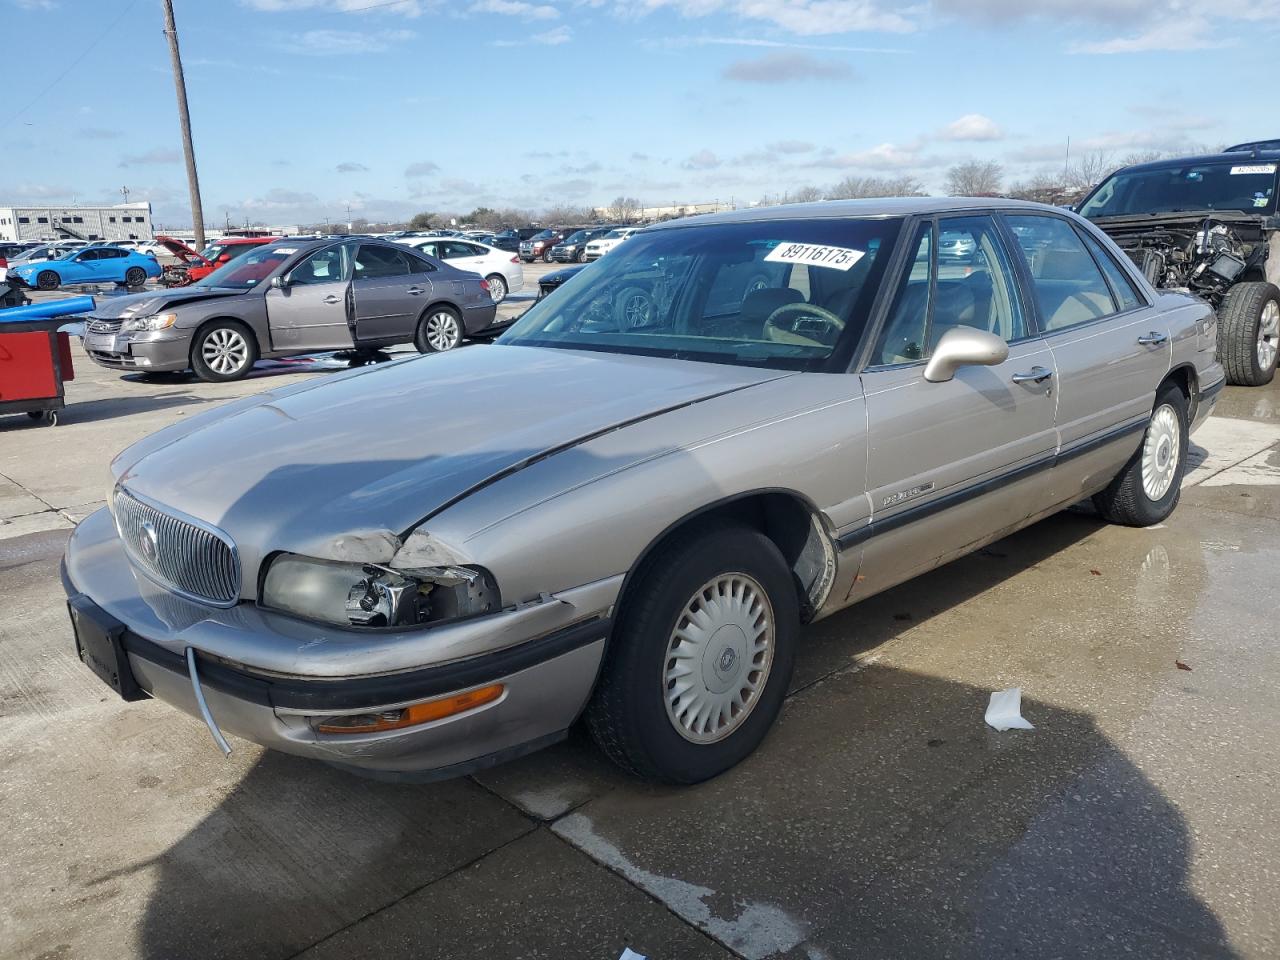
x=312, y=311
x=955, y=463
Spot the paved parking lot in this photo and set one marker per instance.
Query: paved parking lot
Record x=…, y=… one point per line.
x=882, y=818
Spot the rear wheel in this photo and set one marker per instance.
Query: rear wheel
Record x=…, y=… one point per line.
x=497, y=287
x=439, y=330
x=1249, y=333
x=700, y=658
x=1147, y=489
x=224, y=350
x=48, y=280
x=135, y=277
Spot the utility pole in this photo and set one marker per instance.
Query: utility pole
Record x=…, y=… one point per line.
x=184, y=119
x=124, y=191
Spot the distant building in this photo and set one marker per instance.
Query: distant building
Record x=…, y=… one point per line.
x=125, y=221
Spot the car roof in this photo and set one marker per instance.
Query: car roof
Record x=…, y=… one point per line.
x=877, y=207
x=1231, y=156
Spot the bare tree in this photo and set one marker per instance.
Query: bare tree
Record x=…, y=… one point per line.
x=804, y=195
x=974, y=178
x=1042, y=188
x=623, y=208
x=565, y=213
x=855, y=188
x=1088, y=169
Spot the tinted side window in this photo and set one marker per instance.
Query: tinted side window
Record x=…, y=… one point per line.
x=380, y=262
x=1068, y=286
x=419, y=265
x=1121, y=285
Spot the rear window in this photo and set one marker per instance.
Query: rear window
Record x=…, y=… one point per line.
x=1245, y=184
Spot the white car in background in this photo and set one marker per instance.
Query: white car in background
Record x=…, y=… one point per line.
x=599, y=247
x=500, y=267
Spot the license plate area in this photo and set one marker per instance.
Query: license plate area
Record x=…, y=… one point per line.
x=100, y=646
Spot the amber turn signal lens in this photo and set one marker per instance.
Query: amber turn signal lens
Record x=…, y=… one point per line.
x=412, y=716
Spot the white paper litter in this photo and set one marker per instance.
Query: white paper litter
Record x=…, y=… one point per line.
x=1004, y=712
x=629, y=954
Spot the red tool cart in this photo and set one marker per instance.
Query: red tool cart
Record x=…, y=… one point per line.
x=35, y=361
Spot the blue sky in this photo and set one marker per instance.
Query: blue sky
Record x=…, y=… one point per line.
x=301, y=107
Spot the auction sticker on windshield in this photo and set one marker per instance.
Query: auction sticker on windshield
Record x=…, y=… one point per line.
x=815, y=254
x=1254, y=168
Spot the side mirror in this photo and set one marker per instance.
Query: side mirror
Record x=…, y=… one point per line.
x=964, y=347
x=280, y=283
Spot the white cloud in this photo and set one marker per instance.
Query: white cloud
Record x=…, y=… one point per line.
x=423, y=168
x=516, y=8
x=549, y=38
x=157, y=155
x=1188, y=32
x=702, y=160
x=785, y=67
x=407, y=8
x=350, y=166
x=330, y=42
x=704, y=41
x=972, y=126
x=802, y=17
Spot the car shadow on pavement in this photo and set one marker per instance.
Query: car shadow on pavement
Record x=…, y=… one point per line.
x=880, y=819
x=110, y=408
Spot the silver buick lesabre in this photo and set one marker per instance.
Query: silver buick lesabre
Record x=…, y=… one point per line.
x=628, y=507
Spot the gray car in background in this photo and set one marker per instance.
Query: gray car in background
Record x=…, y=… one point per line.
x=289, y=298
x=379, y=571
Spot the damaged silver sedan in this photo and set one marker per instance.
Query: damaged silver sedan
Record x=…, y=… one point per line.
x=628, y=507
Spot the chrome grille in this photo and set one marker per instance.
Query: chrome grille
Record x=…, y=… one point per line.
x=191, y=558
x=104, y=326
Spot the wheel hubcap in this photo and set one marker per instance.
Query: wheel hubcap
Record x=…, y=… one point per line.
x=718, y=658
x=636, y=311
x=1268, y=335
x=225, y=351
x=442, y=331
x=1160, y=452
x=497, y=289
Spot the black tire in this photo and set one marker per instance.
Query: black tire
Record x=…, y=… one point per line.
x=581, y=256
x=215, y=336
x=1240, y=333
x=497, y=281
x=546, y=256
x=628, y=714
x=423, y=338
x=135, y=277
x=1126, y=500
x=48, y=280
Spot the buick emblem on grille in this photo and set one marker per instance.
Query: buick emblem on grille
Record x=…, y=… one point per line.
x=149, y=543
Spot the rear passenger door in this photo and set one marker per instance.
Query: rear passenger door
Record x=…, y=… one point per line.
x=391, y=289
x=955, y=463
x=1110, y=346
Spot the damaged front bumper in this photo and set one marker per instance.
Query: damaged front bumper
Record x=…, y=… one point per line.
x=275, y=680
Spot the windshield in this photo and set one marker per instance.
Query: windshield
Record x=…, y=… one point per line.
x=576, y=237
x=249, y=269
x=786, y=294
x=614, y=235
x=1244, y=185
x=214, y=250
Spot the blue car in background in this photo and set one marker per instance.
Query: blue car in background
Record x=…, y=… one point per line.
x=88, y=265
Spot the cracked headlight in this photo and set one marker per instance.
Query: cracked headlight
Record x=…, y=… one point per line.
x=160, y=321
x=370, y=595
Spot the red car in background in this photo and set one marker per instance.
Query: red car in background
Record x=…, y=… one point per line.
x=192, y=266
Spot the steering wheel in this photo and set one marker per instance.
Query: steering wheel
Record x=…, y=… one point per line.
x=778, y=331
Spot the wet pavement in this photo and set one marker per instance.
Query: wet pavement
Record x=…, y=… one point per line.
x=881, y=818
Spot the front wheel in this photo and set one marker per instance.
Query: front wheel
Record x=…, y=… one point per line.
x=224, y=350
x=135, y=277
x=700, y=658
x=546, y=257
x=438, y=331
x=48, y=280
x=1249, y=333
x=1147, y=489
x=497, y=287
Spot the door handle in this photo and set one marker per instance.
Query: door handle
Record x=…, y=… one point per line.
x=1036, y=374
x=332, y=298
x=414, y=290
x=1153, y=338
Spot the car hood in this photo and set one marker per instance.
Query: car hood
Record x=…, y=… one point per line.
x=145, y=304
x=343, y=468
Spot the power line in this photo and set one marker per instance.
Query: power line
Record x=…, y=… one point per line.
x=74, y=63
